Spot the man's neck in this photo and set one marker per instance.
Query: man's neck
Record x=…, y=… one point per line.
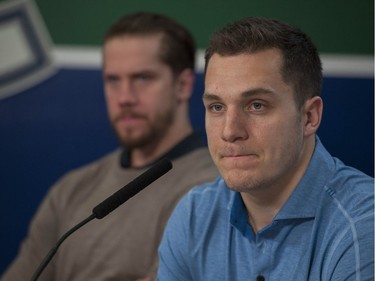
x=264, y=203
x=261, y=212
x=145, y=156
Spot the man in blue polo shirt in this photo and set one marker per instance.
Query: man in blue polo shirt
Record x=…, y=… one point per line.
x=284, y=208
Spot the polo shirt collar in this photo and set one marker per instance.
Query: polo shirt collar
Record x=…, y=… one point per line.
x=303, y=201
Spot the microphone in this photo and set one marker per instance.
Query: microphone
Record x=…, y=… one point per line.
x=110, y=204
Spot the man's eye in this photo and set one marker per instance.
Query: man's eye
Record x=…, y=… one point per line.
x=111, y=79
x=143, y=77
x=216, y=107
x=256, y=106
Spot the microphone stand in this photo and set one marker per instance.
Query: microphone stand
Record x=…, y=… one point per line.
x=53, y=251
x=110, y=204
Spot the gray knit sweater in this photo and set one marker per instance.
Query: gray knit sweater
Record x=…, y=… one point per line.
x=121, y=246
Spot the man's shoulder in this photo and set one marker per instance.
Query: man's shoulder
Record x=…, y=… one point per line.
x=210, y=195
x=347, y=181
x=204, y=208
x=352, y=191
x=91, y=170
x=109, y=159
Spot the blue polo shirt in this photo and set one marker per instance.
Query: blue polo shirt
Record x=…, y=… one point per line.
x=325, y=231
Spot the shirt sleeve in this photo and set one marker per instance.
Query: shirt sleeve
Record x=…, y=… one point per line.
x=352, y=257
x=174, y=247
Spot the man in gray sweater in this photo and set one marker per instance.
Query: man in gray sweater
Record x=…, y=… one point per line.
x=148, y=77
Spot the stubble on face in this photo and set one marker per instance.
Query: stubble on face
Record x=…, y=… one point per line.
x=139, y=90
x=270, y=174
x=152, y=129
x=273, y=144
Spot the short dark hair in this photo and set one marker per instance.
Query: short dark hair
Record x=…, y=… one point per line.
x=301, y=67
x=177, y=47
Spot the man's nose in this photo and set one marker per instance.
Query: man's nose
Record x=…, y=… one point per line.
x=127, y=94
x=234, y=126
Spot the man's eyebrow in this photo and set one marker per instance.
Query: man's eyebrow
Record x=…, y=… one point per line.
x=210, y=97
x=245, y=94
x=256, y=91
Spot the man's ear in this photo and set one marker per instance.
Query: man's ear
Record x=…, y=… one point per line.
x=313, y=110
x=185, y=84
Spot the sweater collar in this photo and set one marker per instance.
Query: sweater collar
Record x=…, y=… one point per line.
x=188, y=144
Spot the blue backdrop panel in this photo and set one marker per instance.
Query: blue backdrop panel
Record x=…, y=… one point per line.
x=347, y=130
x=62, y=124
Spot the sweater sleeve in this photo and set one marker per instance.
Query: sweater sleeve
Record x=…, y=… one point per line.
x=41, y=237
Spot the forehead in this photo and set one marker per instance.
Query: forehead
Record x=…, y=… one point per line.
x=245, y=64
x=245, y=72
x=132, y=48
x=152, y=38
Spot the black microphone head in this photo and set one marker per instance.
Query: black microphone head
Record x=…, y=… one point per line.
x=132, y=188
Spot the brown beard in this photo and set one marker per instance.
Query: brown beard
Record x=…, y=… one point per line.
x=152, y=134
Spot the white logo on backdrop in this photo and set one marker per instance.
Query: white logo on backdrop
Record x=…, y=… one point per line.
x=25, y=47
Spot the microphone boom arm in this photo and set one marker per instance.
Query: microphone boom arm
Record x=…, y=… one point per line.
x=110, y=204
x=53, y=251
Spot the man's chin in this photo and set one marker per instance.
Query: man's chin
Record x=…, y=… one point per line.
x=132, y=141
